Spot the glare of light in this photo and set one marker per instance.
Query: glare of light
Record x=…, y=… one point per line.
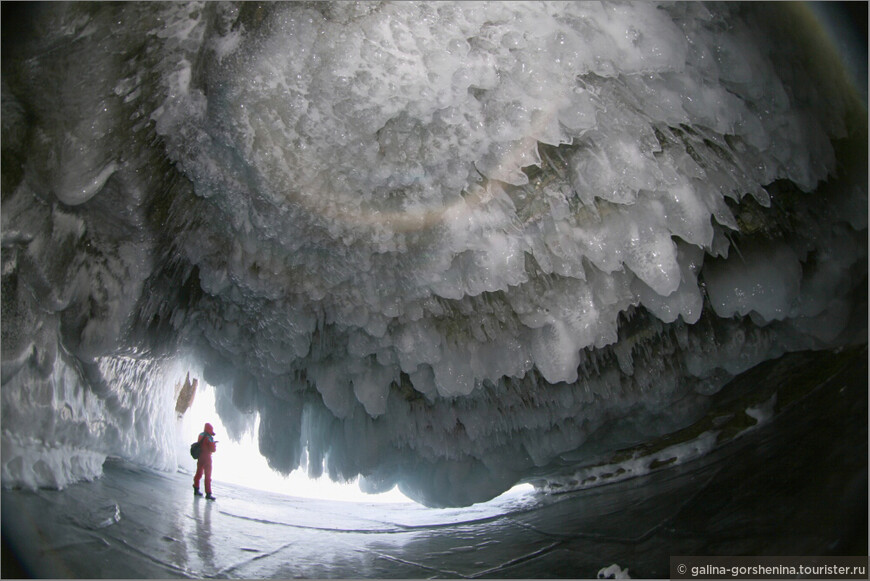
x=520, y=489
x=241, y=462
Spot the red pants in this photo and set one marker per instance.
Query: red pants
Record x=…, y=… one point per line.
x=203, y=466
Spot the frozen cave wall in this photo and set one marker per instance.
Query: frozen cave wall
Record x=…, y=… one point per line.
x=449, y=246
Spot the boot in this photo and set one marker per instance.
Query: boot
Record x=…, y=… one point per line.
x=208, y=496
x=196, y=491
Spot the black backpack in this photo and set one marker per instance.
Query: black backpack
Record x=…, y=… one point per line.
x=194, y=449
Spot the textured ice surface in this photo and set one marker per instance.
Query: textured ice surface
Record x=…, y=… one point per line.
x=807, y=468
x=448, y=246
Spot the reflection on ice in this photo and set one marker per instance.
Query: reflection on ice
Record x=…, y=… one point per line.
x=202, y=516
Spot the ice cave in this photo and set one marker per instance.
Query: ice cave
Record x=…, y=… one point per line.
x=613, y=250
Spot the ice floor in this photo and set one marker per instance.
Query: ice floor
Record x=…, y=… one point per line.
x=795, y=487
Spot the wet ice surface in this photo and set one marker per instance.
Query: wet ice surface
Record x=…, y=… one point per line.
x=797, y=486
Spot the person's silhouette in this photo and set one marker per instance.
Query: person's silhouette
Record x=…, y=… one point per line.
x=208, y=446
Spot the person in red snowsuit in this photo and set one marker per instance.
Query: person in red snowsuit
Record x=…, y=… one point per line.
x=207, y=447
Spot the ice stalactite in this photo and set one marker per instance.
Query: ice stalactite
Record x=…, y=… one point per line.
x=440, y=245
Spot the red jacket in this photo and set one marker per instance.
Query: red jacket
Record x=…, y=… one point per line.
x=207, y=444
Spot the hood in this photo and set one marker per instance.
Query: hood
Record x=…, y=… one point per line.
x=208, y=429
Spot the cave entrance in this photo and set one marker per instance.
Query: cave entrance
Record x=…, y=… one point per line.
x=242, y=464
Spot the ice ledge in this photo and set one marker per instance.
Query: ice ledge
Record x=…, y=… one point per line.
x=32, y=463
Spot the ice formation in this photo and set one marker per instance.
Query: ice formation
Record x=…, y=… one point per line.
x=450, y=246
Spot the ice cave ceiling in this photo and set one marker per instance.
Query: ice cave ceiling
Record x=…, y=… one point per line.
x=450, y=246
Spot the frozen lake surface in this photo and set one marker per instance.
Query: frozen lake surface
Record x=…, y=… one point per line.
x=796, y=486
